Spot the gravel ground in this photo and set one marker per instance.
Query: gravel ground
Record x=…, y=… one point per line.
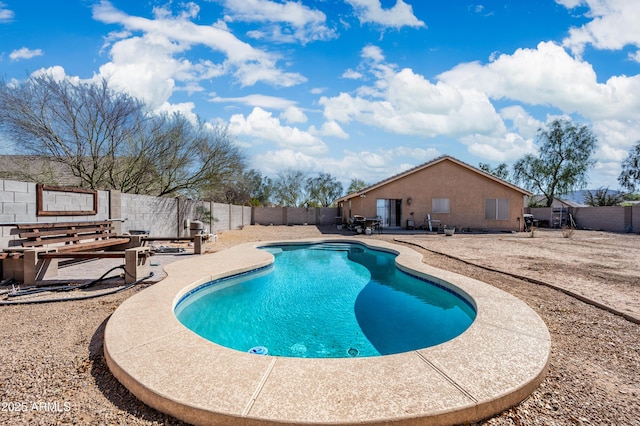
x=52, y=370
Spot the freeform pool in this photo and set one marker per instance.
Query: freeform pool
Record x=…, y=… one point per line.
x=326, y=300
x=496, y=363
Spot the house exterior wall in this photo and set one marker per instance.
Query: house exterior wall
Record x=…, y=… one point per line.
x=465, y=189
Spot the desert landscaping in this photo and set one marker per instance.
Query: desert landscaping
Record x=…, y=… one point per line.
x=585, y=286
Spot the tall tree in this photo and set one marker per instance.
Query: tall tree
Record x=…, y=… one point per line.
x=561, y=166
x=108, y=139
x=243, y=188
x=630, y=174
x=289, y=189
x=356, y=185
x=81, y=125
x=501, y=170
x=260, y=188
x=323, y=189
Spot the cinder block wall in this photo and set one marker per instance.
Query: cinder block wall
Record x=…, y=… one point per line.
x=294, y=215
x=158, y=215
x=601, y=218
x=610, y=218
x=268, y=216
x=18, y=205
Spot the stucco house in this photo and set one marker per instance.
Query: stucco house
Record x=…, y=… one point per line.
x=447, y=190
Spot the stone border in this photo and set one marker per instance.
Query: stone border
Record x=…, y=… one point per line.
x=496, y=363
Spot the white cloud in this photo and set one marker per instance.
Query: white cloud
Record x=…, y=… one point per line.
x=400, y=15
x=25, y=53
x=288, y=22
x=616, y=138
x=273, y=162
x=372, y=52
x=613, y=26
x=417, y=154
x=352, y=75
x=6, y=15
x=526, y=125
x=293, y=115
x=57, y=72
x=635, y=56
x=460, y=103
x=548, y=75
x=185, y=109
x=503, y=147
x=260, y=124
x=569, y=4
x=152, y=64
x=256, y=100
x=411, y=105
x=330, y=129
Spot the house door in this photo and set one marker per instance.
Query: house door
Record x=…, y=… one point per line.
x=389, y=212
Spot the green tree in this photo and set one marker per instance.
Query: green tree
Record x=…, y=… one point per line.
x=561, y=166
x=501, y=170
x=602, y=197
x=323, y=190
x=356, y=185
x=260, y=188
x=630, y=174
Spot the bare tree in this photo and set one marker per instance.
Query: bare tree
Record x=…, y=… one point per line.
x=108, y=140
x=288, y=188
x=83, y=126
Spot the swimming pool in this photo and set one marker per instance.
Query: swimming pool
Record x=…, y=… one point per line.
x=326, y=300
x=496, y=363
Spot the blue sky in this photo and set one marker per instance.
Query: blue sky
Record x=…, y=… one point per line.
x=356, y=88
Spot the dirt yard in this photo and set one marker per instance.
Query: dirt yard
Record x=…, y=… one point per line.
x=52, y=370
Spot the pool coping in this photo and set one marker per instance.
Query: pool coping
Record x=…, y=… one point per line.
x=496, y=363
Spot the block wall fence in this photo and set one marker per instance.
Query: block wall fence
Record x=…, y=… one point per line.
x=611, y=218
x=157, y=215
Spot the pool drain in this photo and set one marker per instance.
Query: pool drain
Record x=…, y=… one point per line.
x=258, y=350
x=353, y=352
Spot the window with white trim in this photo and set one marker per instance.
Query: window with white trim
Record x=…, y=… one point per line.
x=496, y=209
x=440, y=205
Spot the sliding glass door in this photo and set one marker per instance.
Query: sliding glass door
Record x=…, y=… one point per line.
x=389, y=212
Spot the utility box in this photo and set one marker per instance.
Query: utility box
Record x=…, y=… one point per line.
x=196, y=228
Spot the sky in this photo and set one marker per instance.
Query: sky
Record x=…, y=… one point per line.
x=360, y=89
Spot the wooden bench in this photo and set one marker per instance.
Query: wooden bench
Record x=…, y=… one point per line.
x=70, y=236
x=42, y=244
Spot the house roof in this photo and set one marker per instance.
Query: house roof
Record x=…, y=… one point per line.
x=430, y=164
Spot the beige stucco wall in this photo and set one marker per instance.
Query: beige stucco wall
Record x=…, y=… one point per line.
x=465, y=188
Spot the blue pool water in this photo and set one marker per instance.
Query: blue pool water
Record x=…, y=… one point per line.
x=327, y=300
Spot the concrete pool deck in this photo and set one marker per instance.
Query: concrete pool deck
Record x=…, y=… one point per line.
x=495, y=364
